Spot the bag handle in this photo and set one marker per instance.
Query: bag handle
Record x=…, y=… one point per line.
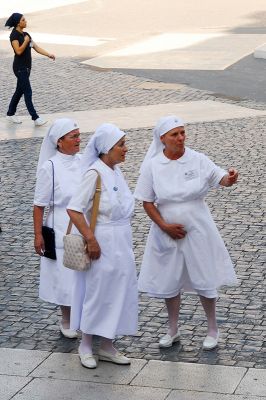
x=53, y=190
x=95, y=205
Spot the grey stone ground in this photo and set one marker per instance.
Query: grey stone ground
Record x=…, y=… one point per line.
x=26, y=322
x=68, y=85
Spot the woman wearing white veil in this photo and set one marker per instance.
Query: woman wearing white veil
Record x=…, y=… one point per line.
x=184, y=250
x=59, y=159
x=105, y=297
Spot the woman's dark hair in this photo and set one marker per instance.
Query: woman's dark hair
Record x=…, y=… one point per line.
x=13, y=20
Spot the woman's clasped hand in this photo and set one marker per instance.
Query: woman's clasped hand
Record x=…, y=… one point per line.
x=173, y=183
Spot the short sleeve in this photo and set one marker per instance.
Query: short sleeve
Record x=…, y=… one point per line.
x=14, y=36
x=43, y=188
x=81, y=200
x=144, y=188
x=213, y=173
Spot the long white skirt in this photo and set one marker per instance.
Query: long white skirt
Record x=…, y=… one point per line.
x=199, y=262
x=56, y=281
x=105, y=298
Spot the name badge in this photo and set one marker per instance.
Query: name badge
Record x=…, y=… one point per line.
x=192, y=174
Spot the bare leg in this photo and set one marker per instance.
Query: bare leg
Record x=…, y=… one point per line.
x=209, y=306
x=173, y=306
x=65, y=310
x=85, y=346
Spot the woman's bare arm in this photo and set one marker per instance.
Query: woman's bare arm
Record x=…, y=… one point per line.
x=230, y=178
x=175, y=231
x=78, y=219
x=43, y=52
x=37, y=221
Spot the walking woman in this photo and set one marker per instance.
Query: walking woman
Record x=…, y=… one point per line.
x=105, y=298
x=184, y=250
x=58, y=175
x=22, y=44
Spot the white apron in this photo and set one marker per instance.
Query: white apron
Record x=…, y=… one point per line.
x=200, y=261
x=105, y=298
x=56, y=281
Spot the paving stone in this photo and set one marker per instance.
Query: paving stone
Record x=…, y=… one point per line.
x=201, y=378
x=67, y=366
x=254, y=383
x=20, y=362
x=43, y=389
x=187, y=395
x=10, y=385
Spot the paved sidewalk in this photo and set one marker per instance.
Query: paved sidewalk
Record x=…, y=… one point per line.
x=125, y=117
x=28, y=375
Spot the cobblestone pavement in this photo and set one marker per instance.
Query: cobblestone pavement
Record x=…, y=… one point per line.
x=78, y=88
x=26, y=322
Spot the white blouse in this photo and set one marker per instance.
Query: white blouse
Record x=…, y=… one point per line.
x=83, y=198
x=66, y=174
x=116, y=200
x=188, y=178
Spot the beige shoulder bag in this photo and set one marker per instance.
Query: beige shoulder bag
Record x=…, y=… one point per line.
x=75, y=248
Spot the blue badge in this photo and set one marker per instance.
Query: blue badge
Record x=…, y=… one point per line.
x=115, y=188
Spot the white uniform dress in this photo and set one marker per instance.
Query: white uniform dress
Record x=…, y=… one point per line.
x=55, y=280
x=105, y=298
x=199, y=262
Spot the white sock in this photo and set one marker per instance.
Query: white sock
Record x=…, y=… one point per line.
x=85, y=346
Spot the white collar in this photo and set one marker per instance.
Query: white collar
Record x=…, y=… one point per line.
x=64, y=156
x=162, y=159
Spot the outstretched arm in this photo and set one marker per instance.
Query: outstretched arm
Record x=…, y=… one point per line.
x=42, y=51
x=230, y=178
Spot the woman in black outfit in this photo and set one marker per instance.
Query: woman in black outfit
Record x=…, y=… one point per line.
x=22, y=44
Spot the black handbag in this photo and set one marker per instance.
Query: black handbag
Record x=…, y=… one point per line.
x=49, y=233
x=49, y=242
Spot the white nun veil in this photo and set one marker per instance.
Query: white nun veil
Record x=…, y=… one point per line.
x=59, y=128
x=164, y=125
x=104, y=138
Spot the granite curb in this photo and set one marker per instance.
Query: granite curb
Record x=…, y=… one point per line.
x=27, y=374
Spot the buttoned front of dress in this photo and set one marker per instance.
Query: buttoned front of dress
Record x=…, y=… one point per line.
x=199, y=261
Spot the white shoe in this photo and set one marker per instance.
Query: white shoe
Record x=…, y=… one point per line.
x=88, y=360
x=168, y=340
x=68, y=333
x=14, y=119
x=210, y=342
x=39, y=122
x=116, y=358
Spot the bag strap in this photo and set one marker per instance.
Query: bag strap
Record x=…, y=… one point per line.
x=53, y=191
x=95, y=205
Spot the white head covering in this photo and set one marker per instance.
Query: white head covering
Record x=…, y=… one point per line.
x=59, y=128
x=104, y=138
x=164, y=125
